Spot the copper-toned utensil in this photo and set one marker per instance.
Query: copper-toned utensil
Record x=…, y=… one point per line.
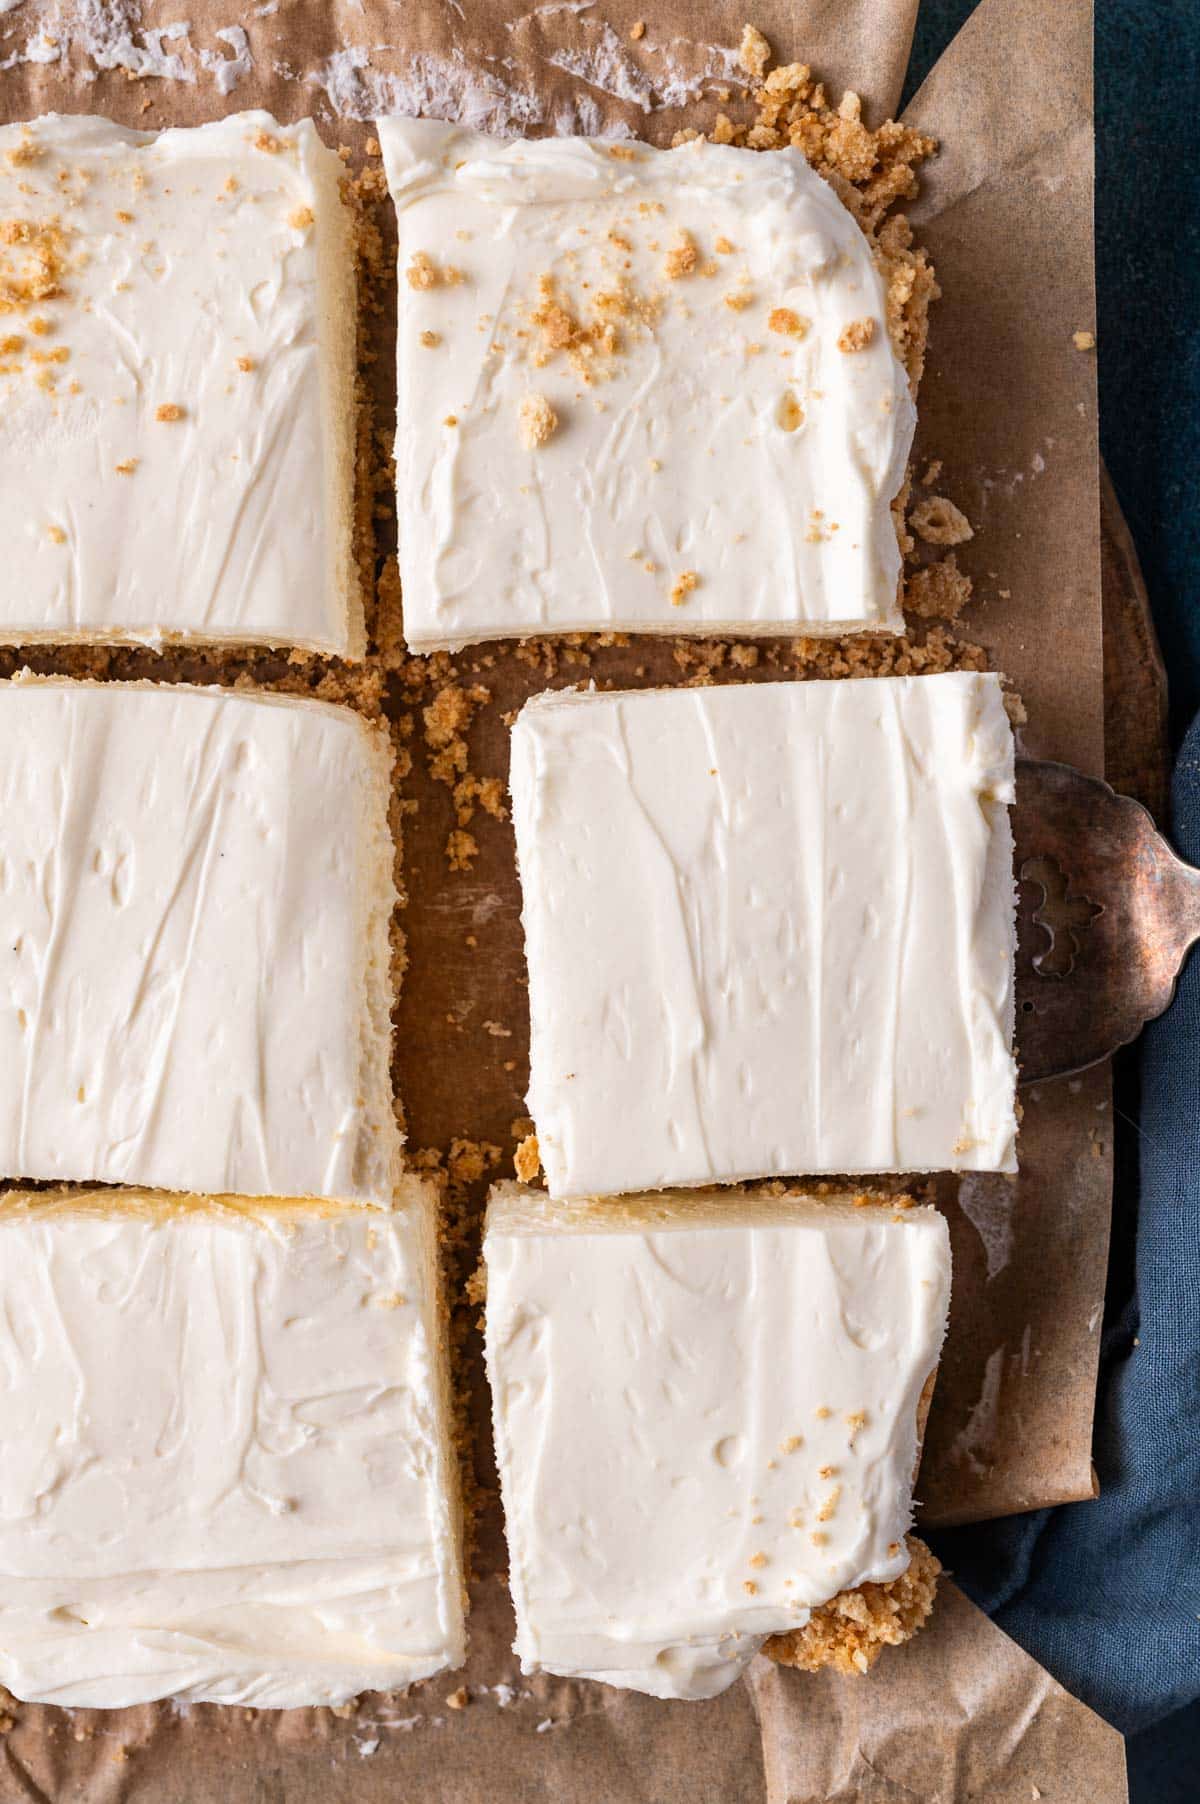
x=1106, y=915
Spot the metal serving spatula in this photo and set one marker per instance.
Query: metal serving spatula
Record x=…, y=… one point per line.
x=1106, y=915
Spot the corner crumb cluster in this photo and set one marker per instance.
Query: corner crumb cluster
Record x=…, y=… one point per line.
x=851, y=1631
x=871, y=170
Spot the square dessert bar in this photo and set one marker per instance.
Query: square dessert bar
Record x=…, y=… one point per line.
x=225, y=1449
x=707, y=1415
x=640, y=389
x=177, y=344
x=769, y=930
x=195, y=905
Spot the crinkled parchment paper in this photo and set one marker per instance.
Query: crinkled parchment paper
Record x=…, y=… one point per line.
x=1008, y=405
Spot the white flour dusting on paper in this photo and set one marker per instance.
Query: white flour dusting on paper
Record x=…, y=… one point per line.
x=988, y=1203
x=438, y=87
x=111, y=35
x=229, y=70
x=605, y=63
x=974, y=1444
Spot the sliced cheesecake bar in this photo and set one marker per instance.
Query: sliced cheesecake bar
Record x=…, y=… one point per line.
x=638, y=389
x=769, y=929
x=707, y=1414
x=195, y=903
x=226, y=1465
x=177, y=348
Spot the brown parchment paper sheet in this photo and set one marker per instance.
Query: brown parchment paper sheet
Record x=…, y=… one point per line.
x=1009, y=406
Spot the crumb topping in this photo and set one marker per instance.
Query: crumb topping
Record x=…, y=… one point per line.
x=939, y=522
x=850, y=1631
x=423, y=273
x=539, y=422
x=784, y=320
x=33, y=260
x=527, y=1160
x=168, y=412
x=682, y=587
x=857, y=335
x=682, y=258
x=754, y=53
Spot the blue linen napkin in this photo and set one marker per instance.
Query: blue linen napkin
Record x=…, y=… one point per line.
x=1107, y=1594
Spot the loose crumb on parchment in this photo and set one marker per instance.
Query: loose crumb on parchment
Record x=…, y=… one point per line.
x=851, y=1631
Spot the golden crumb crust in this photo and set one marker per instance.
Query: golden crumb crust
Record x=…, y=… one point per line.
x=871, y=171
x=851, y=1631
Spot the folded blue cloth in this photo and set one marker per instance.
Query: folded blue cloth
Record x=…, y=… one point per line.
x=1107, y=1594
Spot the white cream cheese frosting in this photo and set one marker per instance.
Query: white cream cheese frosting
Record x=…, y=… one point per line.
x=639, y=389
x=195, y=900
x=706, y=1419
x=225, y=1464
x=177, y=342
x=769, y=930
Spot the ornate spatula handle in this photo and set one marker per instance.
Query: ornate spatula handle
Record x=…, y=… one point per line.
x=1106, y=914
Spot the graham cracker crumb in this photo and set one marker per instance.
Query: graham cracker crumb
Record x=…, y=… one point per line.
x=739, y=300
x=784, y=320
x=127, y=466
x=620, y=153
x=246, y=364
x=266, y=142
x=527, y=1159
x=790, y=415
x=637, y=30
x=857, y=335
x=939, y=522
x=458, y=1700
x=168, y=412
x=584, y=343
x=723, y=247
x=682, y=587
x=754, y=52
x=539, y=422
x=422, y=272
x=301, y=219
x=682, y=258
x=852, y=1629
x=36, y=270
x=24, y=152
x=938, y=591
x=750, y=1588
x=431, y=340
x=1084, y=341
x=462, y=849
